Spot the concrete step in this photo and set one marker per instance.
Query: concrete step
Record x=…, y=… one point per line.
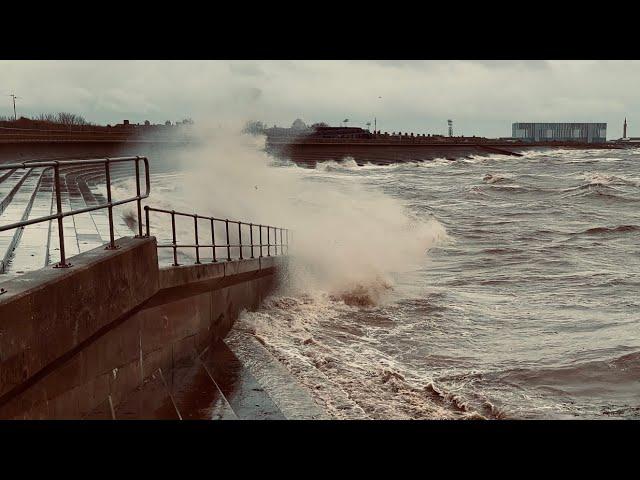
x=87, y=232
x=17, y=210
x=293, y=400
x=245, y=395
x=196, y=394
x=4, y=174
x=69, y=229
x=231, y=380
x=9, y=185
x=94, y=196
x=213, y=386
x=80, y=231
x=38, y=244
x=186, y=392
x=31, y=252
x=331, y=397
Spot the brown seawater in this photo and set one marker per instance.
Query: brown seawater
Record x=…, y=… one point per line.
x=529, y=310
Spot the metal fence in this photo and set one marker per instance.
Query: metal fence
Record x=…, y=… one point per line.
x=277, y=239
x=60, y=214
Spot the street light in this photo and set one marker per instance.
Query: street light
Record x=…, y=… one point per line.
x=14, y=105
x=375, y=120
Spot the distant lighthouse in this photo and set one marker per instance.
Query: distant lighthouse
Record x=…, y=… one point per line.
x=624, y=128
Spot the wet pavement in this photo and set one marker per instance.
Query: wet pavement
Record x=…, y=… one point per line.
x=28, y=194
x=196, y=395
x=245, y=395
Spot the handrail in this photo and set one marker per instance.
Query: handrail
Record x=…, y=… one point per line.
x=60, y=215
x=277, y=239
x=283, y=244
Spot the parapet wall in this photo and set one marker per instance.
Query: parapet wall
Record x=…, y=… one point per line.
x=74, y=339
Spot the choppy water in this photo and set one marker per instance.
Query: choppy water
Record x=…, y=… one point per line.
x=530, y=311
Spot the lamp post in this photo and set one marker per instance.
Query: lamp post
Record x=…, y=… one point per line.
x=15, y=117
x=375, y=119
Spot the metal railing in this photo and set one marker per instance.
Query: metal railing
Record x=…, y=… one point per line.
x=271, y=234
x=60, y=214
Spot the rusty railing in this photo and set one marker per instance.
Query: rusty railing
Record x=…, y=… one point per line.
x=275, y=237
x=60, y=214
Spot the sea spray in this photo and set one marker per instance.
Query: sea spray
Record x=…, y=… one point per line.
x=346, y=239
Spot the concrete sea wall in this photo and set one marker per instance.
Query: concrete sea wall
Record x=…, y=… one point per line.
x=74, y=339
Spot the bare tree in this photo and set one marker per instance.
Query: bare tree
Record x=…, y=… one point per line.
x=70, y=119
x=46, y=117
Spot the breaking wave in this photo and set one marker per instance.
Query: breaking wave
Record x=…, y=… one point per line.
x=311, y=336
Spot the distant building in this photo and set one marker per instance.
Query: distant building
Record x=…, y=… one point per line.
x=298, y=124
x=318, y=130
x=563, y=132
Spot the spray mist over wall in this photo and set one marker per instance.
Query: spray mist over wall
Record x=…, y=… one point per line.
x=346, y=238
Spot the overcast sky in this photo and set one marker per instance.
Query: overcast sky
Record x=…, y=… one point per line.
x=482, y=97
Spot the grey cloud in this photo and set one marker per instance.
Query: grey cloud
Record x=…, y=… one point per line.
x=533, y=64
x=431, y=64
x=247, y=69
x=482, y=96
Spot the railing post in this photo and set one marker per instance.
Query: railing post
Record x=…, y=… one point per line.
x=268, y=242
x=173, y=232
x=240, y=238
x=275, y=240
x=226, y=224
x=63, y=261
x=146, y=214
x=195, y=224
x=251, y=238
x=112, y=242
x=260, y=227
x=213, y=241
x=139, y=201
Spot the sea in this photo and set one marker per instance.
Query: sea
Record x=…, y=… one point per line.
x=527, y=306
